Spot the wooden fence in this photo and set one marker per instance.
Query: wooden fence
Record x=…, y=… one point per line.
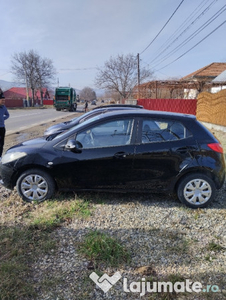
x=211, y=108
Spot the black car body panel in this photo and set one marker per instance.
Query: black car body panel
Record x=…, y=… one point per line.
x=146, y=160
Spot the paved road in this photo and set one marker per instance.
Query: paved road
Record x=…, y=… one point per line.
x=21, y=119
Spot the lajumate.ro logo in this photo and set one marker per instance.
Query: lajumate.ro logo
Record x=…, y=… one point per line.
x=142, y=287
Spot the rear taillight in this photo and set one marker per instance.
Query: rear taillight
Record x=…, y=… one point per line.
x=216, y=147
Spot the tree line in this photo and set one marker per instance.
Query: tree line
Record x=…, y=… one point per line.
x=119, y=75
x=33, y=70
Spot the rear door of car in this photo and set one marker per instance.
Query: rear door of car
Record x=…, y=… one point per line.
x=164, y=147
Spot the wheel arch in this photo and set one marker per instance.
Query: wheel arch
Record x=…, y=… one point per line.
x=28, y=167
x=196, y=171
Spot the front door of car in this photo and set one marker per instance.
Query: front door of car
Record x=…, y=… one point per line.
x=105, y=159
x=161, y=153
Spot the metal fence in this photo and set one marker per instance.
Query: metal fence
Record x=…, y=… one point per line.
x=20, y=102
x=187, y=106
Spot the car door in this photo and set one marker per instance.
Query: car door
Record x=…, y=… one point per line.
x=105, y=158
x=161, y=153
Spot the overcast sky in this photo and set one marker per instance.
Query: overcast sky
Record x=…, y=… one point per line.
x=80, y=35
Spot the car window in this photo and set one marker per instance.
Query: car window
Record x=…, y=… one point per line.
x=65, y=133
x=161, y=131
x=107, y=134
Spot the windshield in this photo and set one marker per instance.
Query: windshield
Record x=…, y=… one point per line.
x=64, y=133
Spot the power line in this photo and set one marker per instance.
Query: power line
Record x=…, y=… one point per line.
x=162, y=27
x=183, y=24
x=193, y=46
x=195, y=11
x=78, y=69
x=194, y=34
x=1, y=75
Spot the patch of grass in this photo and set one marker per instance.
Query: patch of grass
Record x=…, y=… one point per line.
x=167, y=295
x=197, y=213
x=209, y=258
x=52, y=213
x=212, y=246
x=95, y=197
x=13, y=285
x=21, y=245
x=217, y=237
x=181, y=247
x=101, y=248
x=174, y=278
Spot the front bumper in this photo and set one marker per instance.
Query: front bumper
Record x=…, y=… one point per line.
x=7, y=176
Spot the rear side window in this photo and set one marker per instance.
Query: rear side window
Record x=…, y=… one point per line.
x=154, y=130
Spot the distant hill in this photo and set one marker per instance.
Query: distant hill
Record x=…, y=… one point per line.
x=99, y=92
x=6, y=85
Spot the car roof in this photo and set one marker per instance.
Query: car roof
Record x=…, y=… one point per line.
x=148, y=113
x=107, y=108
x=123, y=106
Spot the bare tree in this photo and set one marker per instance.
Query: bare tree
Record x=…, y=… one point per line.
x=88, y=94
x=120, y=75
x=45, y=74
x=33, y=70
x=20, y=68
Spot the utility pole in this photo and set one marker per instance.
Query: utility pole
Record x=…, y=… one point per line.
x=27, y=88
x=138, y=74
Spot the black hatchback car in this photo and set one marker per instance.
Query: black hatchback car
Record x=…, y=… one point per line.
x=128, y=150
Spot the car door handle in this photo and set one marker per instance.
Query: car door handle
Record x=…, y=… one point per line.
x=182, y=150
x=120, y=154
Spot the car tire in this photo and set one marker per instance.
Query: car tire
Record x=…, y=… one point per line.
x=196, y=190
x=35, y=185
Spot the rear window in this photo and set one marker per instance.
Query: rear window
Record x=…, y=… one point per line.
x=162, y=131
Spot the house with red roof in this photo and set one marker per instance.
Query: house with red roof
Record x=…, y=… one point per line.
x=207, y=73
x=204, y=76
x=17, y=97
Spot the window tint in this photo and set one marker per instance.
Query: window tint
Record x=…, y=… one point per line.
x=108, y=134
x=161, y=131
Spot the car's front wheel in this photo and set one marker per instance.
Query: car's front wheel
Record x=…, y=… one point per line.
x=196, y=190
x=35, y=185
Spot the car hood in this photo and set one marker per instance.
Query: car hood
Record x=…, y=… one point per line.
x=38, y=142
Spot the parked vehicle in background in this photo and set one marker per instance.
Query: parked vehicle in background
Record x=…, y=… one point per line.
x=65, y=98
x=124, y=150
x=52, y=131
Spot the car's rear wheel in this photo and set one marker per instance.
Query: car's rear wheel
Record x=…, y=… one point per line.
x=35, y=185
x=196, y=190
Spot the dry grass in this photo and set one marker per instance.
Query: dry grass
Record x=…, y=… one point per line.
x=26, y=234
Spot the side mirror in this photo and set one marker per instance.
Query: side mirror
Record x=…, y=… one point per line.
x=74, y=146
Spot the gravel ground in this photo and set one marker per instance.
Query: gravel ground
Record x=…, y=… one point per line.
x=163, y=236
